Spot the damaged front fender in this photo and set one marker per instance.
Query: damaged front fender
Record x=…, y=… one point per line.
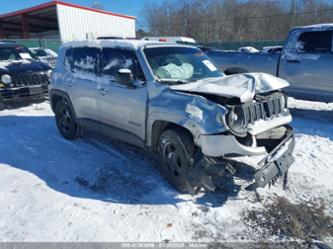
x=193, y=112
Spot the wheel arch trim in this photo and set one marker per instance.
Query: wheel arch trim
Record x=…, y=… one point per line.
x=63, y=95
x=163, y=121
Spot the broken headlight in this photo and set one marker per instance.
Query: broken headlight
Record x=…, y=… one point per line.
x=284, y=101
x=236, y=121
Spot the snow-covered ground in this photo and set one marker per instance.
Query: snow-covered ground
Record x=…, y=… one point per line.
x=95, y=189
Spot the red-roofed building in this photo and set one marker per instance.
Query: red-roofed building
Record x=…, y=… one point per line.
x=64, y=21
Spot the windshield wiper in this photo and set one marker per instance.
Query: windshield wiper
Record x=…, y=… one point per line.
x=172, y=81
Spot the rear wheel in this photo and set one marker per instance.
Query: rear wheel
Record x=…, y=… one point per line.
x=65, y=120
x=176, y=152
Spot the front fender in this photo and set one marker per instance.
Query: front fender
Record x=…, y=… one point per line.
x=193, y=112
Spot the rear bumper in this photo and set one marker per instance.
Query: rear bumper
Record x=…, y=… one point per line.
x=22, y=92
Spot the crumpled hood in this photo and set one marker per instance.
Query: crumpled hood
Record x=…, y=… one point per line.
x=242, y=86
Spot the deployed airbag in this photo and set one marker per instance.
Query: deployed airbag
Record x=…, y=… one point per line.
x=172, y=71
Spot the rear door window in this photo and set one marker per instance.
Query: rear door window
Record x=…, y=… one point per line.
x=114, y=59
x=85, y=59
x=68, y=58
x=315, y=42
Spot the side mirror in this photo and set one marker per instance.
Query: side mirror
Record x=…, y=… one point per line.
x=125, y=77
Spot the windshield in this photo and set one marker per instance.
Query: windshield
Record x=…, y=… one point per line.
x=39, y=52
x=15, y=53
x=180, y=64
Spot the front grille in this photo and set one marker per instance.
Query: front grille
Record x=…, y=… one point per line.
x=31, y=79
x=262, y=108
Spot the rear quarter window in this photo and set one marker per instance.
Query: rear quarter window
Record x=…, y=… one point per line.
x=68, y=58
x=83, y=59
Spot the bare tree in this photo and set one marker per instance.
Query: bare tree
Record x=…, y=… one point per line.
x=233, y=20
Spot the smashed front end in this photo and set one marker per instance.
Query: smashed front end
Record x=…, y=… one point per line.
x=257, y=124
x=256, y=128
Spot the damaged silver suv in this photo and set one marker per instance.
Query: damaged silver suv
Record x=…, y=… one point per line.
x=172, y=100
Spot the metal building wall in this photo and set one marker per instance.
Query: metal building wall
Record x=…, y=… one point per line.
x=80, y=24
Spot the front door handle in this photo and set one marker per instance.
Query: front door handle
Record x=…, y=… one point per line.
x=70, y=84
x=293, y=61
x=103, y=90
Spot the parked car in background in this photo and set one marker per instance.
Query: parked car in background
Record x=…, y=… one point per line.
x=46, y=55
x=305, y=62
x=271, y=49
x=248, y=50
x=21, y=75
x=171, y=99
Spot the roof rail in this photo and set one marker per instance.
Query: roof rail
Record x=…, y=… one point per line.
x=110, y=38
x=116, y=38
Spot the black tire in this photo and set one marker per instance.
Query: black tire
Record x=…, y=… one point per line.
x=235, y=70
x=65, y=120
x=2, y=105
x=176, y=153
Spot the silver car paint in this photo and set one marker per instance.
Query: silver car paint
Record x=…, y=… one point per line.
x=243, y=86
x=137, y=110
x=83, y=95
x=123, y=107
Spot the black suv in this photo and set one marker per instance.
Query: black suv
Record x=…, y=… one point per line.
x=21, y=74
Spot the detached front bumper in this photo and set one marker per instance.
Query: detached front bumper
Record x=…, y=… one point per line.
x=276, y=163
x=276, y=144
x=21, y=92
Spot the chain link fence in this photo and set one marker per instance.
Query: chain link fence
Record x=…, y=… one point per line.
x=235, y=45
x=51, y=44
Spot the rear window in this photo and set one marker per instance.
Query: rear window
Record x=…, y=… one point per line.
x=315, y=42
x=40, y=52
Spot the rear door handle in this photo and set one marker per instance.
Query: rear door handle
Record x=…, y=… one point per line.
x=70, y=84
x=293, y=61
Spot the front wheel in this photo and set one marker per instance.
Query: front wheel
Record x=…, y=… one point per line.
x=65, y=120
x=176, y=152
